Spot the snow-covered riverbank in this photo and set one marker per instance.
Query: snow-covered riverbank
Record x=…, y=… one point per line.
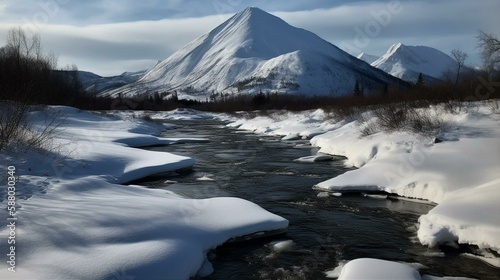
x=74, y=220
x=460, y=172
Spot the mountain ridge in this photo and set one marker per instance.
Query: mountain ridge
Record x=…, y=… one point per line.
x=255, y=51
x=368, y=58
x=407, y=62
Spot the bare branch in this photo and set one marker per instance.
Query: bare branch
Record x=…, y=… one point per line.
x=490, y=49
x=459, y=57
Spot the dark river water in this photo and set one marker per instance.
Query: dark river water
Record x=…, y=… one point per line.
x=323, y=231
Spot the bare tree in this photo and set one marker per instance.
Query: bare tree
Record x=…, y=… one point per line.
x=490, y=49
x=459, y=57
x=24, y=46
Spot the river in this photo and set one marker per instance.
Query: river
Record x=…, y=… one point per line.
x=323, y=231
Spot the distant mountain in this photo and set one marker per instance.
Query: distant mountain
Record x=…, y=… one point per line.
x=368, y=58
x=407, y=62
x=255, y=51
x=95, y=83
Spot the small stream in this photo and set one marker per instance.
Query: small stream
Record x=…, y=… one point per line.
x=323, y=231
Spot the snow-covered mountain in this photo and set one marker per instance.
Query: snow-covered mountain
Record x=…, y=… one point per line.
x=95, y=83
x=254, y=51
x=407, y=62
x=368, y=58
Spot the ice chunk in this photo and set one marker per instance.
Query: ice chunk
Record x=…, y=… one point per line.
x=377, y=269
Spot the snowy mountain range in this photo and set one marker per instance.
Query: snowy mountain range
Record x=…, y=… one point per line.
x=407, y=62
x=255, y=51
x=94, y=83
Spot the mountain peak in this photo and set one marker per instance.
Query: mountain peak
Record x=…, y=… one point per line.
x=255, y=17
x=254, y=33
x=406, y=62
x=256, y=51
x=252, y=10
x=396, y=47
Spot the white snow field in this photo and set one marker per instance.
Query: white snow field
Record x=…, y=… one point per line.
x=460, y=174
x=74, y=221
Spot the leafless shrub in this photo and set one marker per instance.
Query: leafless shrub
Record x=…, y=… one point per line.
x=392, y=116
x=424, y=122
x=403, y=117
x=12, y=122
x=369, y=128
x=41, y=135
x=494, y=106
x=18, y=131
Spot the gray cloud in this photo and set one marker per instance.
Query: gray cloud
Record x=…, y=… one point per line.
x=106, y=37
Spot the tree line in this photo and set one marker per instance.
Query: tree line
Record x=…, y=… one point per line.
x=27, y=74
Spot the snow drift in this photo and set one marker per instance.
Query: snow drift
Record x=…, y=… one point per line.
x=74, y=221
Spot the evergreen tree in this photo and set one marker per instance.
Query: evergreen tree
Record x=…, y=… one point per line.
x=386, y=88
x=357, y=90
x=420, y=81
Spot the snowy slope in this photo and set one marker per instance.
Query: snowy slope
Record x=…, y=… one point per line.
x=406, y=62
x=254, y=51
x=95, y=83
x=76, y=221
x=368, y=58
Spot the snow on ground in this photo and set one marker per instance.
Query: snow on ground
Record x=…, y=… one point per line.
x=183, y=114
x=377, y=269
x=367, y=268
x=75, y=222
x=90, y=144
x=315, y=158
x=287, y=124
x=461, y=173
x=471, y=215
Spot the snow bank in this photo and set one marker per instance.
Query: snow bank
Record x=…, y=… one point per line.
x=367, y=268
x=471, y=215
x=75, y=222
x=449, y=173
x=90, y=144
x=377, y=269
x=315, y=158
x=287, y=124
x=183, y=114
x=460, y=173
x=90, y=229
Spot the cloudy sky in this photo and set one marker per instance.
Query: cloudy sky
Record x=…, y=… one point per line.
x=109, y=37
